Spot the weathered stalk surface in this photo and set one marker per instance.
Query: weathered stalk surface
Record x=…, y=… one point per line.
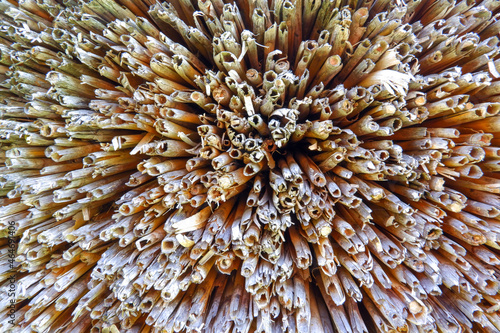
x=250, y=166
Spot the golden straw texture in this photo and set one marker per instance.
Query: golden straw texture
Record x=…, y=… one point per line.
x=249, y=166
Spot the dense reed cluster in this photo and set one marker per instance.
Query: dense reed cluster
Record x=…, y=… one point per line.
x=250, y=166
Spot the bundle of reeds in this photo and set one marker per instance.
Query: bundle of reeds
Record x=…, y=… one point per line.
x=249, y=166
